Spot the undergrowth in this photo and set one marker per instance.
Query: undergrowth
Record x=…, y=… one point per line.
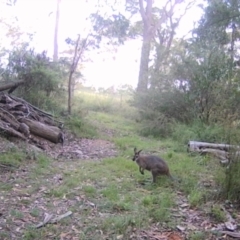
x=110, y=197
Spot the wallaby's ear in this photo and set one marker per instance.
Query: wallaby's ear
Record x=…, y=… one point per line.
x=135, y=150
x=139, y=151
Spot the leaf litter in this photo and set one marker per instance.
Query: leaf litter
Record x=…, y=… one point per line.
x=26, y=201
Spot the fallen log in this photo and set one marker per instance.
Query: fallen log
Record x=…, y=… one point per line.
x=11, y=131
x=39, y=129
x=222, y=155
x=224, y=152
x=196, y=146
x=11, y=86
x=21, y=119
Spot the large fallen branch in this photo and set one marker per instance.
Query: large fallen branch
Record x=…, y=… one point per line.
x=195, y=146
x=20, y=119
x=50, y=133
x=11, y=86
x=49, y=219
x=220, y=151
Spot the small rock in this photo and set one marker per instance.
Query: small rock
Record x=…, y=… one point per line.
x=180, y=228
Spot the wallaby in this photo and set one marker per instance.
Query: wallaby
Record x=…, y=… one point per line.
x=154, y=164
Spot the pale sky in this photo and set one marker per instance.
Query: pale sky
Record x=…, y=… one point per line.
x=106, y=68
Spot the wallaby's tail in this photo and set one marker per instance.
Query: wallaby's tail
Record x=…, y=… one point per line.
x=173, y=178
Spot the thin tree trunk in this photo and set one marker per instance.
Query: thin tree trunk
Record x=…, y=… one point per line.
x=55, y=54
x=76, y=57
x=70, y=93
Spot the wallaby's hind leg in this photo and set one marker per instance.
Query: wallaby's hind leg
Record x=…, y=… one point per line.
x=141, y=170
x=154, y=176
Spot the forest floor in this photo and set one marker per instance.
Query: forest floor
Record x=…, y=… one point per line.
x=108, y=198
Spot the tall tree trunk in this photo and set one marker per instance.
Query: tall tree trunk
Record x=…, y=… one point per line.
x=146, y=45
x=143, y=71
x=55, y=46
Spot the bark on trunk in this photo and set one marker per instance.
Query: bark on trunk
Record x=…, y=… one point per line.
x=143, y=71
x=11, y=86
x=50, y=133
x=55, y=54
x=146, y=15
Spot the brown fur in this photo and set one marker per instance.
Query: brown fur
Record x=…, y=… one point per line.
x=156, y=165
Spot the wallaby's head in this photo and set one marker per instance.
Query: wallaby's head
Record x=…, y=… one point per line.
x=136, y=154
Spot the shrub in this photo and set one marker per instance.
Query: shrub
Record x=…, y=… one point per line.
x=160, y=127
x=41, y=76
x=231, y=184
x=198, y=131
x=81, y=127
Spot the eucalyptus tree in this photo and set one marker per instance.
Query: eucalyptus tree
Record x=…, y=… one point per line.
x=155, y=23
x=55, y=43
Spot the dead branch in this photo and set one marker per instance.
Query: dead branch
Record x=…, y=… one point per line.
x=11, y=86
x=195, y=146
x=49, y=219
x=20, y=119
x=223, y=152
x=231, y=234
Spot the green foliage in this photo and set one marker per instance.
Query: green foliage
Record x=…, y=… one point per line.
x=199, y=235
x=114, y=27
x=90, y=191
x=199, y=77
x=217, y=213
x=110, y=192
x=158, y=109
x=196, y=197
x=160, y=126
x=80, y=126
x=231, y=184
x=13, y=157
x=41, y=76
x=105, y=102
x=199, y=131
x=159, y=207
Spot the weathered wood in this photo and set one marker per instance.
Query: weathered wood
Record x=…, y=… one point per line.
x=9, y=118
x=196, y=146
x=21, y=119
x=49, y=219
x=12, y=86
x=11, y=131
x=223, y=155
x=50, y=133
x=231, y=234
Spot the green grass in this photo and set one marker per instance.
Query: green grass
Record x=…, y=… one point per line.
x=81, y=127
x=110, y=198
x=107, y=103
x=217, y=213
x=13, y=158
